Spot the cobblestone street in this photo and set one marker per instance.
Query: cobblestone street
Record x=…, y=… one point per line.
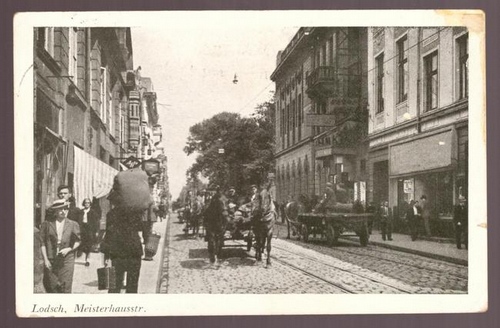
x=302, y=268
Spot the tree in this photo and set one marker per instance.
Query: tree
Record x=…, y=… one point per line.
x=233, y=150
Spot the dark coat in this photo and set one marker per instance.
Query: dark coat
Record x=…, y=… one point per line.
x=460, y=215
x=48, y=233
x=410, y=214
x=216, y=214
x=382, y=214
x=93, y=220
x=122, y=234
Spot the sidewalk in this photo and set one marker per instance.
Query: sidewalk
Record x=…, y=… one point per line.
x=85, y=278
x=436, y=248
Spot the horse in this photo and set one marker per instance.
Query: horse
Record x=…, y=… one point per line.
x=215, y=220
x=262, y=225
x=263, y=232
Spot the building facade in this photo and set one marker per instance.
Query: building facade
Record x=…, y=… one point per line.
x=321, y=111
x=418, y=120
x=87, y=111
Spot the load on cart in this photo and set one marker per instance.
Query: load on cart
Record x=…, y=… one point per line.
x=333, y=216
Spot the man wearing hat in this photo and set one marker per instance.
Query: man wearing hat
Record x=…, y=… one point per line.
x=461, y=222
x=60, y=239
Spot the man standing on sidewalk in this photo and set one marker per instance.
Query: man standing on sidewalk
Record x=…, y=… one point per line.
x=386, y=221
x=461, y=222
x=426, y=214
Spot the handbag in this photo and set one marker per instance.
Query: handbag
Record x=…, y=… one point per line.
x=106, y=278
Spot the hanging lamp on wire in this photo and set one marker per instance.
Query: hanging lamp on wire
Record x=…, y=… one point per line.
x=235, y=79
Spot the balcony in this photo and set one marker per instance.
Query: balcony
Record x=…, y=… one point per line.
x=331, y=82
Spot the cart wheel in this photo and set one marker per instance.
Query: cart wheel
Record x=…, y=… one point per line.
x=363, y=238
x=330, y=235
x=305, y=233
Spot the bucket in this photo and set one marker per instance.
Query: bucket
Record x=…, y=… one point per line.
x=151, y=246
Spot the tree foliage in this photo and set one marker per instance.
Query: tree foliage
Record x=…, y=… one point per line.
x=233, y=150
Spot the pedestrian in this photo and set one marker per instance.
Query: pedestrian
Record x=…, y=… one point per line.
x=412, y=217
x=386, y=221
x=60, y=239
x=426, y=214
x=216, y=218
x=162, y=209
x=148, y=219
x=461, y=222
x=188, y=209
x=64, y=192
x=122, y=245
x=89, y=222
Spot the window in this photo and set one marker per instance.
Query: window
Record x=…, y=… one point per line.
x=431, y=81
x=402, y=78
x=332, y=50
x=122, y=127
x=102, y=107
x=46, y=39
x=362, y=167
x=110, y=114
x=73, y=54
x=463, y=59
x=380, y=83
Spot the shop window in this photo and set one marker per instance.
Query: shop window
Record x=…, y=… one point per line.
x=444, y=194
x=402, y=77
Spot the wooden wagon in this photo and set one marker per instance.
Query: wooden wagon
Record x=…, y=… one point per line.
x=330, y=225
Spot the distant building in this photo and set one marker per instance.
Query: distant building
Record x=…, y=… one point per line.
x=418, y=126
x=321, y=112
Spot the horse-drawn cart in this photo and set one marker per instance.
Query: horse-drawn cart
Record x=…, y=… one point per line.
x=330, y=225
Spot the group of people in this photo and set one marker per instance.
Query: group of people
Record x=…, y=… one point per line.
x=67, y=233
x=196, y=205
x=205, y=208
x=417, y=216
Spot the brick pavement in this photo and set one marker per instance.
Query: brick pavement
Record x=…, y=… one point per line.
x=295, y=270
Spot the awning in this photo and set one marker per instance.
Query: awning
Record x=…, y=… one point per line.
x=92, y=178
x=420, y=155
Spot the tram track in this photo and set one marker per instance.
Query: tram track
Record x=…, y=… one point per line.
x=380, y=251
x=361, y=276
x=340, y=286
x=416, y=266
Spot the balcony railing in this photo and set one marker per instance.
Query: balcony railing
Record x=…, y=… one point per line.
x=329, y=81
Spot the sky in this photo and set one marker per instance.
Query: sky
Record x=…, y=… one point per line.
x=192, y=69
